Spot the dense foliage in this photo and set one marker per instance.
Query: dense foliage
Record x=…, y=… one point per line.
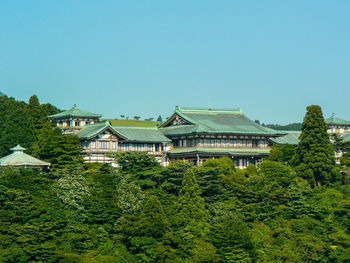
x=99, y=214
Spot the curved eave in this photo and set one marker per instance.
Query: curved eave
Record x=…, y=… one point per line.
x=226, y=132
x=73, y=116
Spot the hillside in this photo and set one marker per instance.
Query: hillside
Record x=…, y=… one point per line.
x=140, y=123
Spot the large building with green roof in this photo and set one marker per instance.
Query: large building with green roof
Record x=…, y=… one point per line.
x=198, y=134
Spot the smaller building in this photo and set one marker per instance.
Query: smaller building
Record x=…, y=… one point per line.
x=74, y=119
x=19, y=159
x=100, y=139
x=337, y=125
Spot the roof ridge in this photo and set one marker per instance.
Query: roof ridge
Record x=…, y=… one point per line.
x=136, y=127
x=209, y=109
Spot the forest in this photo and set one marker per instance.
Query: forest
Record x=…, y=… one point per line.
x=293, y=207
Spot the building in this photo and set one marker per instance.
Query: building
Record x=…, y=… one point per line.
x=19, y=159
x=198, y=134
x=100, y=139
x=74, y=119
x=337, y=125
x=190, y=134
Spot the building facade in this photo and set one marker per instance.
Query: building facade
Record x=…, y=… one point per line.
x=74, y=119
x=190, y=134
x=198, y=134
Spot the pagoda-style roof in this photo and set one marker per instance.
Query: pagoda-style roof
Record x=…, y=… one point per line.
x=74, y=112
x=291, y=137
x=334, y=120
x=20, y=159
x=206, y=120
x=132, y=134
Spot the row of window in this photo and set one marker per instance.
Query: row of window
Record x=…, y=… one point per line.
x=140, y=147
x=106, y=145
x=222, y=143
x=73, y=123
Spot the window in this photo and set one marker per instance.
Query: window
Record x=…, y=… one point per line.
x=114, y=145
x=104, y=145
x=93, y=145
x=211, y=142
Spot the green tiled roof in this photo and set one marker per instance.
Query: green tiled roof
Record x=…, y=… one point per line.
x=335, y=120
x=75, y=112
x=207, y=120
x=290, y=138
x=228, y=151
x=92, y=130
x=346, y=136
x=135, y=134
x=19, y=158
x=142, y=134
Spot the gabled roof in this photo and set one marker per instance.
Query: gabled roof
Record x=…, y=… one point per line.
x=92, y=130
x=335, y=120
x=134, y=134
x=291, y=137
x=19, y=158
x=75, y=112
x=207, y=120
x=142, y=134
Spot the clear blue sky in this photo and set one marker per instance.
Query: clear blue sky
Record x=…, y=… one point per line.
x=271, y=58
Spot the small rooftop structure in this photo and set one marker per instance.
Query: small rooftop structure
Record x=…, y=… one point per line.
x=20, y=159
x=334, y=120
x=74, y=119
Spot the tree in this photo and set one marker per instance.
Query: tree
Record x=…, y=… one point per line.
x=65, y=151
x=314, y=156
x=159, y=118
x=137, y=117
x=193, y=216
x=281, y=153
x=122, y=116
x=36, y=113
x=210, y=177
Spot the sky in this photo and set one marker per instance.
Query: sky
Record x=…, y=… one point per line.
x=142, y=58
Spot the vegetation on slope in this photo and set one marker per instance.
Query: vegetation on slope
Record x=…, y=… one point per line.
x=141, y=123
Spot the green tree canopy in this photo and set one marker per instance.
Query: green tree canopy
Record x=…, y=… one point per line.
x=314, y=155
